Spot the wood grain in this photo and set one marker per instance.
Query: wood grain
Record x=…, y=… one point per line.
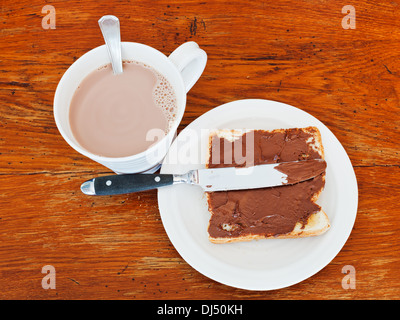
x=294, y=52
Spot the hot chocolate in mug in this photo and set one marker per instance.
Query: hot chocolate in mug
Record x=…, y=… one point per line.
x=181, y=69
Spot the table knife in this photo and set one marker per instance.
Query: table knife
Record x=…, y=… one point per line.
x=216, y=179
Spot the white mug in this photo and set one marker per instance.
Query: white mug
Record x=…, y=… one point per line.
x=182, y=69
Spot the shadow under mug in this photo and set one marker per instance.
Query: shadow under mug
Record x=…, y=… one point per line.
x=182, y=69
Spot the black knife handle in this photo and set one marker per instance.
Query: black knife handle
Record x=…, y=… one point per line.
x=127, y=183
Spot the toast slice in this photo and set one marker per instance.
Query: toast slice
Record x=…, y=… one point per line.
x=286, y=211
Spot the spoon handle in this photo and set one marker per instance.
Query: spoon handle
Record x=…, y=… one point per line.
x=109, y=26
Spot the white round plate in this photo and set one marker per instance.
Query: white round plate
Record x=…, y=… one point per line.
x=264, y=264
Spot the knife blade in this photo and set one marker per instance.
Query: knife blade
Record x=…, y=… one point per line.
x=216, y=179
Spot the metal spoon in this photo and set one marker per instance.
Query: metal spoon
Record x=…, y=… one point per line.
x=109, y=26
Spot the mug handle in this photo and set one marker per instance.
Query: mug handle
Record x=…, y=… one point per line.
x=190, y=61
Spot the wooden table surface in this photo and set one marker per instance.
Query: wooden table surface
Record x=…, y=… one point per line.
x=296, y=52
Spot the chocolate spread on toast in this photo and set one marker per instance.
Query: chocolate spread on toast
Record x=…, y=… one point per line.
x=301, y=170
x=265, y=211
